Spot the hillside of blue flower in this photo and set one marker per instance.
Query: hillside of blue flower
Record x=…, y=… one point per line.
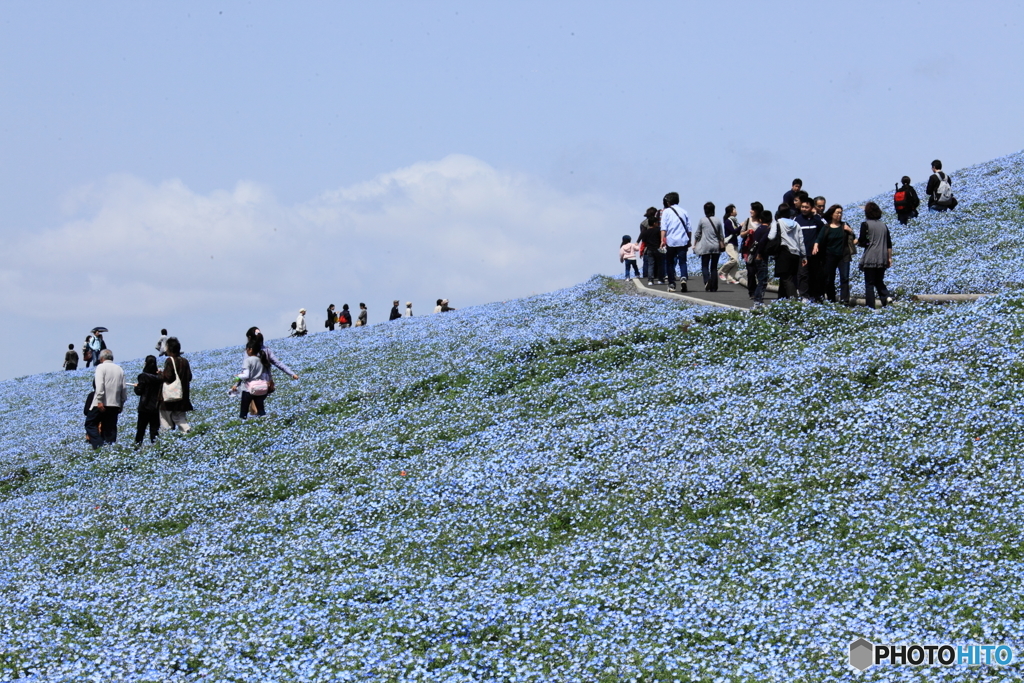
x=586, y=485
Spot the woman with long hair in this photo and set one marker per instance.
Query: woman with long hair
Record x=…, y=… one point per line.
x=833, y=241
x=732, y=230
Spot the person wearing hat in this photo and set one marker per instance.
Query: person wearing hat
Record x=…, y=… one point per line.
x=650, y=242
x=408, y=309
x=445, y=307
x=395, y=315
x=300, y=323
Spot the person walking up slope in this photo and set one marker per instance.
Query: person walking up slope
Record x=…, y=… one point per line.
x=177, y=377
x=107, y=401
x=149, y=388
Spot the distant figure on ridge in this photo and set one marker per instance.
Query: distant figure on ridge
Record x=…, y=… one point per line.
x=408, y=309
x=344, y=318
x=445, y=307
x=362, y=315
x=87, y=356
x=71, y=358
x=332, y=318
x=300, y=323
x=394, y=315
x=161, y=343
x=437, y=308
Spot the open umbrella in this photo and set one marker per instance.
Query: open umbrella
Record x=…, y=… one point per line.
x=101, y=330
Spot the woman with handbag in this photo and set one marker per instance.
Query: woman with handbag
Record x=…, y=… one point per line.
x=709, y=243
x=877, y=244
x=836, y=241
x=253, y=334
x=254, y=387
x=177, y=377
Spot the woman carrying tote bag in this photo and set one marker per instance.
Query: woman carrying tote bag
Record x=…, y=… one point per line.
x=177, y=376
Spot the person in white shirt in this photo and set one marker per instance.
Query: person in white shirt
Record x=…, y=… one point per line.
x=675, y=237
x=300, y=323
x=107, y=401
x=408, y=309
x=161, y=343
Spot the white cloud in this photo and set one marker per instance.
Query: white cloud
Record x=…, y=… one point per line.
x=456, y=227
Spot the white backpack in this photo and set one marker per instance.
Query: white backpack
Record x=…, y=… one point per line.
x=944, y=193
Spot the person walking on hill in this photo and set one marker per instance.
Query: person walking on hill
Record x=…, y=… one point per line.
x=107, y=401
x=149, y=388
x=345, y=318
x=332, y=318
x=732, y=230
x=362, y=316
x=905, y=201
x=408, y=309
x=834, y=241
x=394, y=315
x=876, y=242
x=255, y=367
x=300, y=323
x=791, y=254
x=71, y=358
x=627, y=254
x=709, y=243
x=650, y=240
x=177, y=377
x=161, y=343
x=940, y=189
x=675, y=237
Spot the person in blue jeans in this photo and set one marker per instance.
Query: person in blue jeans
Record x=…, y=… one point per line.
x=675, y=235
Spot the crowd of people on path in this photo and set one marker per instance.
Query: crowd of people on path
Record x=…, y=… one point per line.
x=808, y=241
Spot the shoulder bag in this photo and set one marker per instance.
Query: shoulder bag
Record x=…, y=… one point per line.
x=173, y=390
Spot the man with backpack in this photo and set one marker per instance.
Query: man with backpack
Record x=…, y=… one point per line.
x=940, y=190
x=675, y=237
x=905, y=201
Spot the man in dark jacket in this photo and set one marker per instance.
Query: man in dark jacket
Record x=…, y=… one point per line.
x=808, y=276
x=71, y=358
x=906, y=209
x=934, y=183
x=395, y=315
x=149, y=389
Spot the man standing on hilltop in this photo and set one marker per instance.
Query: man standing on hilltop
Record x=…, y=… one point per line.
x=161, y=343
x=675, y=237
x=395, y=315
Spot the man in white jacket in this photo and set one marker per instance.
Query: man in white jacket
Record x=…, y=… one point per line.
x=300, y=323
x=109, y=397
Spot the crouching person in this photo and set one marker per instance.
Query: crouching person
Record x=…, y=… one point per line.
x=101, y=421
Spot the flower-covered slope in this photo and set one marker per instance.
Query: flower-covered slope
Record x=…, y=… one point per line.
x=580, y=486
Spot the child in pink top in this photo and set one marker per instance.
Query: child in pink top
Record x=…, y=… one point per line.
x=627, y=254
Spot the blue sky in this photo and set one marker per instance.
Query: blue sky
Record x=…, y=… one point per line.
x=209, y=166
